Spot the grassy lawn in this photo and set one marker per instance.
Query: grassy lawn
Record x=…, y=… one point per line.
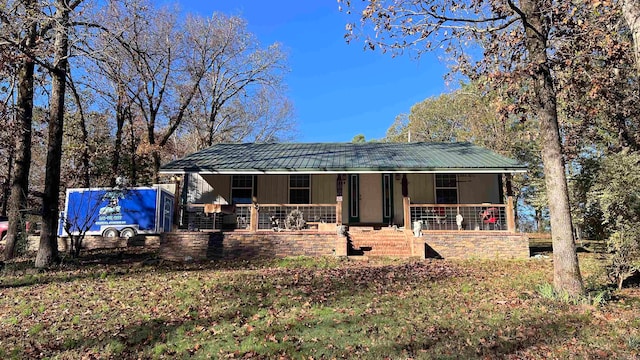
x=309, y=308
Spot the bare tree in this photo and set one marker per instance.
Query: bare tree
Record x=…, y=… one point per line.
x=239, y=98
x=48, y=248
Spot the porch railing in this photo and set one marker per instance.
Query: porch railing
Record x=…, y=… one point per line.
x=194, y=218
x=268, y=216
x=460, y=216
x=275, y=215
x=243, y=216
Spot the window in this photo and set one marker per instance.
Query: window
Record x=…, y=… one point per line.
x=299, y=189
x=446, y=189
x=241, y=189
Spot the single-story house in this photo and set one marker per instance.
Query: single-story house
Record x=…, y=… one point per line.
x=418, y=188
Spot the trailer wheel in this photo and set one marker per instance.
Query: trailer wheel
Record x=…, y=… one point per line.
x=110, y=233
x=127, y=233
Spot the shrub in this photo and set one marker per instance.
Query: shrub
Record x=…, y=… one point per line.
x=616, y=193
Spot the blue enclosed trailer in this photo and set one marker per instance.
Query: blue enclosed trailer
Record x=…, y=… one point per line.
x=113, y=212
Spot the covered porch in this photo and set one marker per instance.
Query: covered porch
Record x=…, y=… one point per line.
x=206, y=206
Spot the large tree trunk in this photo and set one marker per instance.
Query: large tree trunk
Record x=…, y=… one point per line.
x=121, y=113
x=6, y=186
x=24, y=109
x=48, y=249
x=84, y=156
x=566, y=272
x=631, y=13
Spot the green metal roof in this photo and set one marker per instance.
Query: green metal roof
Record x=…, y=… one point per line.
x=343, y=158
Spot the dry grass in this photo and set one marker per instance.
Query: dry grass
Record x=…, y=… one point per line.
x=311, y=308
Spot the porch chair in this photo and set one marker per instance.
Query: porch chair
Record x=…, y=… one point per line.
x=489, y=217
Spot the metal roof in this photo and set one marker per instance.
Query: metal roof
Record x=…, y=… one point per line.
x=312, y=158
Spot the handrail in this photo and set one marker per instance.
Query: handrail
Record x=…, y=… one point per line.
x=458, y=205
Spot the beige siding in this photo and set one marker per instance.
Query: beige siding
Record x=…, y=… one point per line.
x=273, y=189
x=478, y=188
x=421, y=188
x=218, y=185
x=323, y=189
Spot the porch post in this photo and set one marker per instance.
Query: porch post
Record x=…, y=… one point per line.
x=253, y=219
x=511, y=219
x=407, y=212
x=176, y=203
x=339, y=184
x=405, y=202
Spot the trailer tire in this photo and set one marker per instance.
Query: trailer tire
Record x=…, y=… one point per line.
x=110, y=233
x=127, y=233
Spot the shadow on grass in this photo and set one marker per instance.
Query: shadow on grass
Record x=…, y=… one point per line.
x=465, y=344
x=143, y=339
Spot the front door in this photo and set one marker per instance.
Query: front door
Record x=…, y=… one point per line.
x=367, y=199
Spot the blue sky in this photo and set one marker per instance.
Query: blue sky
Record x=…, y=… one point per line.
x=338, y=90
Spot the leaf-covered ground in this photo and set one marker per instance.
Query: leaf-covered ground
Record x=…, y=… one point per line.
x=308, y=308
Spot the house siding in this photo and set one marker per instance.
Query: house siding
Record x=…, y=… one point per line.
x=478, y=188
x=421, y=190
x=323, y=189
x=273, y=189
x=220, y=186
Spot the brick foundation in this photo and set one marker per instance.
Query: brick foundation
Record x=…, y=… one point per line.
x=99, y=242
x=473, y=245
x=198, y=246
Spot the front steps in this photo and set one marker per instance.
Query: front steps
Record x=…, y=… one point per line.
x=383, y=242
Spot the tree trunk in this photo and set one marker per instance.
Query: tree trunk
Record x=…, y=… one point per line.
x=84, y=156
x=631, y=13
x=566, y=272
x=48, y=249
x=6, y=186
x=157, y=162
x=133, y=162
x=117, y=148
x=24, y=110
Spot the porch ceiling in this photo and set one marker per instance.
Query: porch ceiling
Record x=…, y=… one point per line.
x=313, y=158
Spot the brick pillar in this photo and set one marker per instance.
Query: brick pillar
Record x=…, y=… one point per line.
x=511, y=219
x=341, y=245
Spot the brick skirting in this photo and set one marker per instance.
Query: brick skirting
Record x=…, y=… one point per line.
x=474, y=245
x=198, y=246
x=99, y=242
